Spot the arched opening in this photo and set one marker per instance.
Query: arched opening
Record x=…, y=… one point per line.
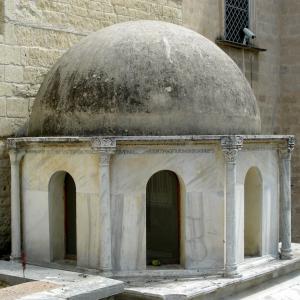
x=253, y=213
x=163, y=219
x=62, y=213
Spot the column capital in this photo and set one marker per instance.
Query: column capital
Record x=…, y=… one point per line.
x=285, y=151
x=231, y=145
x=15, y=155
x=107, y=145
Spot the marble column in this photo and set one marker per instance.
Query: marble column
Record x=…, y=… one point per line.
x=285, y=154
x=105, y=148
x=231, y=146
x=15, y=158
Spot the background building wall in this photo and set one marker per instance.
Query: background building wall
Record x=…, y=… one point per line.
x=35, y=33
x=290, y=96
x=260, y=68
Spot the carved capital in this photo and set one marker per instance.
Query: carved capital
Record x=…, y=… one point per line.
x=16, y=156
x=231, y=145
x=291, y=143
x=104, y=144
x=285, y=151
x=11, y=144
x=106, y=147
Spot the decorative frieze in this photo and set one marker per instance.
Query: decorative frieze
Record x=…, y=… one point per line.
x=162, y=151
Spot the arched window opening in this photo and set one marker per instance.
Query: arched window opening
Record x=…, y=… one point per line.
x=253, y=213
x=163, y=219
x=62, y=213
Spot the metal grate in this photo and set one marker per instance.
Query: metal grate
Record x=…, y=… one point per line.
x=236, y=19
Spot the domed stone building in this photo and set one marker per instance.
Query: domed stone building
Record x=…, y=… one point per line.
x=143, y=149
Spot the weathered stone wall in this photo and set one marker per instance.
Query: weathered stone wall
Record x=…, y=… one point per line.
x=4, y=200
x=290, y=96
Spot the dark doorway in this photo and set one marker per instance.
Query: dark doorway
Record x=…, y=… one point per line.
x=70, y=217
x=163, y=218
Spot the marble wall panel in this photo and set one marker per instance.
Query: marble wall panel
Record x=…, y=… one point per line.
x=88, y=224
x=37, y=169
x=83, y=167
x=266, y=161
x=200, y=174
x=36, y=230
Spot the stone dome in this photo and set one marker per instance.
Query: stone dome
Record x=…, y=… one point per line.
x=144, y=78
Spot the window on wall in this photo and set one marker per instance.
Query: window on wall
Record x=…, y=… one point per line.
x=236, y=19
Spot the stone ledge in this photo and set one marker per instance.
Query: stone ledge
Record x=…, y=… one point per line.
x=83, y=139
x=72, y=285
x=211, y=287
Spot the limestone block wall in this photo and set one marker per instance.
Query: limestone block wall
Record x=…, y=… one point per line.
x=290, y=96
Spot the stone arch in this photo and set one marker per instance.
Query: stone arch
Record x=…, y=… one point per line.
x=62, y=216
x=163, y=218
x=253, y=200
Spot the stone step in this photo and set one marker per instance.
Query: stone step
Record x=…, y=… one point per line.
x=66, y=284
x=213, y=287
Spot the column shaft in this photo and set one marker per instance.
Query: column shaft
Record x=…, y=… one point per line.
x=105, y=222
x=231, y=146
x=15, y=159
x=231, y=236
x=285, y=198
x=105, y=147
